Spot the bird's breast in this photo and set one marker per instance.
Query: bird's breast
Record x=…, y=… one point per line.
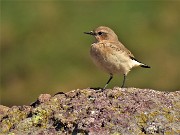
x=109, y=59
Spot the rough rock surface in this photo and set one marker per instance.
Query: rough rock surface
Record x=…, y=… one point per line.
x=117, y=111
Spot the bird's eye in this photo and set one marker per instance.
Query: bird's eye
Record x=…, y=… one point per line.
x=100, y=33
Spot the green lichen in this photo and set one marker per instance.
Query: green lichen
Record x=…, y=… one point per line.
x=40, y=117
x=11, y=133
x=141, y=120
x=15, y=115
x=116, y=133
x=5, y=126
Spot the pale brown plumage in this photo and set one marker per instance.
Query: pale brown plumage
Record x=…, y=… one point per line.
x=110, y=54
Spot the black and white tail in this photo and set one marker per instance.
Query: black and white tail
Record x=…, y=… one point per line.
x=140, y=63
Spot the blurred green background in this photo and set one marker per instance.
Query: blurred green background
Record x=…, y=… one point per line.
x=44, y=50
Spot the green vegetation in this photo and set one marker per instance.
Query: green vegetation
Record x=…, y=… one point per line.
x=44, y=50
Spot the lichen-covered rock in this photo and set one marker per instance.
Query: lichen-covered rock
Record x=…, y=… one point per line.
x=118, y=111
x=3, y=110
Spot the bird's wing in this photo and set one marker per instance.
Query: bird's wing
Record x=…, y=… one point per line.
x=118, y=46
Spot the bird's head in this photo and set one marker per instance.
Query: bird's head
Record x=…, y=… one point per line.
x=103, y=33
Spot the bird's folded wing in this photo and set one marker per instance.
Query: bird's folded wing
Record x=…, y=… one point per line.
x=120, y=47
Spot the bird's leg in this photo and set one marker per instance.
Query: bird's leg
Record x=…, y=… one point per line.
x=111, y=76
x=123, y=81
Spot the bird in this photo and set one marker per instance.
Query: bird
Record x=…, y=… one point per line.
x=110, y=55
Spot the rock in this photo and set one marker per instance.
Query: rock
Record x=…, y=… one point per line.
x=3, y=110
x=117, y=111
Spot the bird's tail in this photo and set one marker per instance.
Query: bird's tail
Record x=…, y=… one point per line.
x=138, y=63
x=145, y=66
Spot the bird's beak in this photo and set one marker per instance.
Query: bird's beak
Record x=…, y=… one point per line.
x=90, y=33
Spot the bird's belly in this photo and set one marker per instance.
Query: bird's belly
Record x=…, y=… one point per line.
x=111, y=62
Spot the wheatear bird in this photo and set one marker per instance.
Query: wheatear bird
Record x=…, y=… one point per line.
x=111, y=55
